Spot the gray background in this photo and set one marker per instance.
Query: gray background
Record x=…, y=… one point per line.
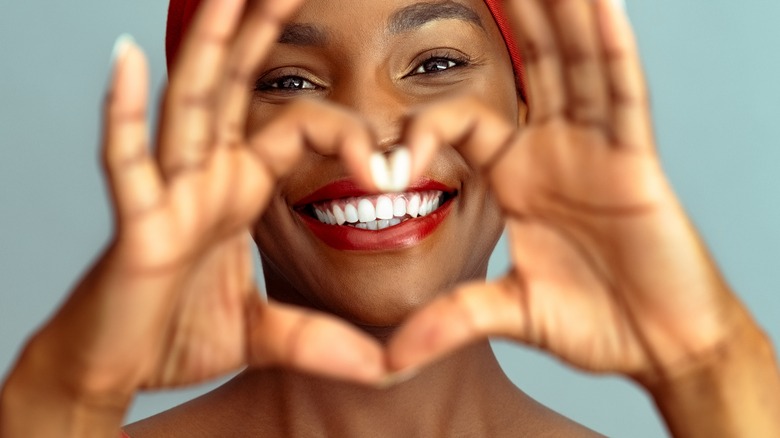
x=714, y=71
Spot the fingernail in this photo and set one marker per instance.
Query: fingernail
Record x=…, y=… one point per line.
x=400, y=168
x=620, y=4
x=123, y=42
x=379, y=171
x=398, y=378
x=424, y=144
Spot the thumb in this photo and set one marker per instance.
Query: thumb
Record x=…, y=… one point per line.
x=470, y=313
x=312, y=342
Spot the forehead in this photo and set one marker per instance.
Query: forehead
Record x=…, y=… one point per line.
x=319, y=19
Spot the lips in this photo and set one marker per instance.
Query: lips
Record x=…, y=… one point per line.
x=347, y=217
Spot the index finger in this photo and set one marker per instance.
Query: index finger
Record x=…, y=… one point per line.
x=258, y=33
x=186, y=131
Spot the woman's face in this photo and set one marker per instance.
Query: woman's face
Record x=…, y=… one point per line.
x=381, y=59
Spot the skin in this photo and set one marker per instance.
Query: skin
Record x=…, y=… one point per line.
x=366, y=68
x=597, y=238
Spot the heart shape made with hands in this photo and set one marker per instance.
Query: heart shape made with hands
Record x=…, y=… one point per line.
x=607, y=272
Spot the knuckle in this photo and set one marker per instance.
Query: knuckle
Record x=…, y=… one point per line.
x=535, y=51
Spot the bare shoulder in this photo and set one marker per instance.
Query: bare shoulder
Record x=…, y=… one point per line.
x=526, y=417
x=234, y=411
x=220, y=413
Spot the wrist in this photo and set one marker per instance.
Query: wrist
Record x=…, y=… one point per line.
x=732, y=390
x=37, y=400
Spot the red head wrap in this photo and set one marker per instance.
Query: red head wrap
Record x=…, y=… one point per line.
x=181, y=12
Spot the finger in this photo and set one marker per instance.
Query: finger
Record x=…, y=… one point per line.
x=255, y=38
x=186, y=135
x=476, y=131
x=543, y=64
x=315, y=343
x=324, y=128
x=470, y=313
x=632, y=127
x=133, y=176
x=576, y=28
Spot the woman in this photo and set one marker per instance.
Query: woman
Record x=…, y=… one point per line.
x=607, y=273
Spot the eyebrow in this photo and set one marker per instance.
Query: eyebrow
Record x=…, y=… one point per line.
x=303, y=35
x=420, y=14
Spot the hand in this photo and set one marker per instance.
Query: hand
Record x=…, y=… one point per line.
x=607, y=272
x=173, y=300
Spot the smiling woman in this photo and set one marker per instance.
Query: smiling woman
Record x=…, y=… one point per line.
x=375, y=151
x=368, y=61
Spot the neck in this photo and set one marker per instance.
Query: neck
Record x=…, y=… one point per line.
x=456, y=396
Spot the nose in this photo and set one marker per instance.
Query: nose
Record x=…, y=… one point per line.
x=378, y=102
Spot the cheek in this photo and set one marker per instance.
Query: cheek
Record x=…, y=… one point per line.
x=259, y=115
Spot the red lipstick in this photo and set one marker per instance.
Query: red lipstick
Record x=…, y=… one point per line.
x=350, y=238
x=345, y=188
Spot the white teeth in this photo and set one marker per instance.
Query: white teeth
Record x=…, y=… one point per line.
x=413, y=207
x=339, y=214
x=379, y=224
x=366, y=211
x=351, y=213
x=399, y=207
x=384, y=208
x=378, y=212
x=424, y=206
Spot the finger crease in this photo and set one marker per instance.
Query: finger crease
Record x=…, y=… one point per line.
x=137, y=158
x=519, y=290
x=599, y=210
x=534, y=52
x=626, y=100
x=184, y=168
x=212, y=39
x=294, y=339
x=129, y=117
x=239, y=76
x=576, y=57
x=516, y=215
x=586, y=120
x=206, y=101
x=499, y=154
x=137, y=214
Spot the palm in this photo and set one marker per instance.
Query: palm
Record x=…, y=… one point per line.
x=607, y=272
x=173, y=300
x=576, y=224
x=197, y=230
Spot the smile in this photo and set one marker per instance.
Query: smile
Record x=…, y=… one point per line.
x=346, y=218
x=376, y=213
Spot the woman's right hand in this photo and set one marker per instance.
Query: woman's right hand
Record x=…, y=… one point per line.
x=173, y=299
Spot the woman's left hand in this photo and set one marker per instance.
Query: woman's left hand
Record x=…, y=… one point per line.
x=607, y=272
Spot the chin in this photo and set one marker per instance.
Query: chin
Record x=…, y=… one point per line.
x=373, y=259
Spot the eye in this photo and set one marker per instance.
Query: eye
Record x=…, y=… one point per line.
x=285, y=84
x=435, y=65
x=439, y=61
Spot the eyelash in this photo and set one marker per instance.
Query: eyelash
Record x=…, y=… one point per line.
x=453, y=61
x=277, y=84
x=274, y=84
